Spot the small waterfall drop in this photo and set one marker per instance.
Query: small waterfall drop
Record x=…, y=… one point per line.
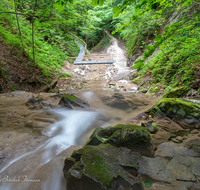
x=63, y=134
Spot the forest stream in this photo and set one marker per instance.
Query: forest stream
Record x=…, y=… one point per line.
x=37, y=138
x=32, y=155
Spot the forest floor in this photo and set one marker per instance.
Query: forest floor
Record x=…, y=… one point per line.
x=18, y=70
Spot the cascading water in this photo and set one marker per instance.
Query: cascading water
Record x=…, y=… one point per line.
x=63, y=134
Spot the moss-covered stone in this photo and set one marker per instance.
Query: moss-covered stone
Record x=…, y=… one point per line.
x=176, y=93
x=136, y=138
x=187, y=114
x=103, y=167
x=71, y=101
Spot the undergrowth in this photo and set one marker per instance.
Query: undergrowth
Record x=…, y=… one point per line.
x=52, y=46
x=177, y=63
x=102, y=44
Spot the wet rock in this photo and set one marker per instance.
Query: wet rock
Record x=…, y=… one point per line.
x=38, y=123
x=196, y=168
x=192, y=92
x=21, y=94
x=194, y=131
x=14, y=144
x=118, y=103
x=179, y=138
x=175, y=140
x=118, y=96
x=135, y=138
x=186, y=114
x=176, y=93
x=71, y=101
x=171, y=166
x=183, y=132
x=102, y=167
x=193, y=145
x=37, y=104
x=151, y=126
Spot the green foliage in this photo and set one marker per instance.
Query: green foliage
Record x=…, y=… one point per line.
x=102, y=44
x=138, y=65
x=52, y=45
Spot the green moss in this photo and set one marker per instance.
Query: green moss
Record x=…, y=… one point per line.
x=176, y=92
x=40, y=99
x=70, y=97
x=103, y=162
x=173, y=105
x=154, y=127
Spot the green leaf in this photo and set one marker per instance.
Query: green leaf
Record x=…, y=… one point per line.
x=101, y=2
x=147, y=183
x=59, y=7
x=158, y=38
x=116, y=10
x=94, y=3
x=138, y=65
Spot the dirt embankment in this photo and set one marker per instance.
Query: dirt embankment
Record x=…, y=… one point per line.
x=18, y=70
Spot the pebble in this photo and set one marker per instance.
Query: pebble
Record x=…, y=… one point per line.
x=179, y=138
x=184, y=137
x=175, y=140
x=194, y=131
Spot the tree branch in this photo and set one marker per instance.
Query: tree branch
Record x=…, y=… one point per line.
x=14, y=13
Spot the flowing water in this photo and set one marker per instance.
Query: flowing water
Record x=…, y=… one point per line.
x=63, y=134
x=41, y=168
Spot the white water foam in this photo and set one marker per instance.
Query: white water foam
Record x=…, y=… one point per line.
x=63, y=134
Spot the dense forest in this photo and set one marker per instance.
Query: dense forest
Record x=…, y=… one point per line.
x=161, y=37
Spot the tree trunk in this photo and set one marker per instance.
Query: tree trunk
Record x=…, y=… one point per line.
x=0, y=68
x=34, y=43
x=34, y=50
x=19, y=27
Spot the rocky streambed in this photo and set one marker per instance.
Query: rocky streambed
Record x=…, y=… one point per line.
x=98, y=139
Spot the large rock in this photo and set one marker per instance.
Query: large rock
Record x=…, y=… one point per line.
x=186, y=114
x=71, y=101
x=194, y=145
x=136, y=138
x=102, y=167
x=176, y=92
x=36, y=104
x=39, y=123
x=173, y=168
x=118, y=101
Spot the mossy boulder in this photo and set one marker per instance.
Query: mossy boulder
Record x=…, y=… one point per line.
x=186, y=114
x=102, y=167
x=71, y=101
x=177, y=92
x=136, y=138
x=118, y=101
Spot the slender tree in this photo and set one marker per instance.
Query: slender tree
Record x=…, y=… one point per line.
x=19, y=26
x=34, y=43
